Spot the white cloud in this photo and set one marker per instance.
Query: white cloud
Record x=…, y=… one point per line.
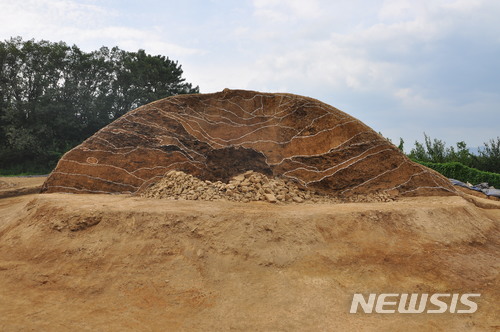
x=389, y=61
x=411, y=99
x=47, y=16
x=463, y=5
x=85, y=24
x=377, y=57
x=286, y=10
x=401, y=10
x=130, y=39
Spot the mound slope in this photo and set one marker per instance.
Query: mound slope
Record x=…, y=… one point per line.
x=216, y=136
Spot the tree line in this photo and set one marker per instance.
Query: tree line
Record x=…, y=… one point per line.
x=435, y=150
x=53, y=96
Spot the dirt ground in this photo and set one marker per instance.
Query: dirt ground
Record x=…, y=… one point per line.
x=15, y=186
x=73, y=262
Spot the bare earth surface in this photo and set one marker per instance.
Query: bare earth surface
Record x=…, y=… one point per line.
x=15, y=186
x=119, y=263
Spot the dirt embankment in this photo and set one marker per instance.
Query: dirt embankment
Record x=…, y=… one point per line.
x=119, y=263
x=16, y=186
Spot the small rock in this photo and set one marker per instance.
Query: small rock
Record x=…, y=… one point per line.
x=239, y=178
x=248, y=173
x=254, y=179
x=270, y=198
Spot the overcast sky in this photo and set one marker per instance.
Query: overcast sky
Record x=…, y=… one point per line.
x=404, y=67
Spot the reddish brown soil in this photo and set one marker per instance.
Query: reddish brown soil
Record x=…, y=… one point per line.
x=216, y=136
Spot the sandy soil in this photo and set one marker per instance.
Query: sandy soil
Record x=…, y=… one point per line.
x=15, y=186
x=118, y=263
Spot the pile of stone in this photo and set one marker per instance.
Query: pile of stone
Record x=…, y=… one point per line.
x=246, y=187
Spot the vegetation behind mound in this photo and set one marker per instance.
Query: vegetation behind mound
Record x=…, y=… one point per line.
x=53, y=96
x=458, y=171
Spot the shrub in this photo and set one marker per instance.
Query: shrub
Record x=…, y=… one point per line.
x=458, y=171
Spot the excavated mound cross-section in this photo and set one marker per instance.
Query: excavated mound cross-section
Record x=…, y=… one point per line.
x=216, y=136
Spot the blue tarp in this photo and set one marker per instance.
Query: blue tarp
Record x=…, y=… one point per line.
x=482, y=187
x=462, y=184
x=492, y=192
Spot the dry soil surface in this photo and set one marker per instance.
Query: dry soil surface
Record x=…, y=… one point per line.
x=118, y=263
x=15, y=186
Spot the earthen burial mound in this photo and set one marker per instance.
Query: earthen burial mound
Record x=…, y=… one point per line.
x=220, y=135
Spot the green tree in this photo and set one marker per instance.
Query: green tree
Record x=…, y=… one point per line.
x=53, y=96
x=419, y=152
x=401, y=145
x=461, y=155
x=435, y=151
x=141, y=78
x=489, y=156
